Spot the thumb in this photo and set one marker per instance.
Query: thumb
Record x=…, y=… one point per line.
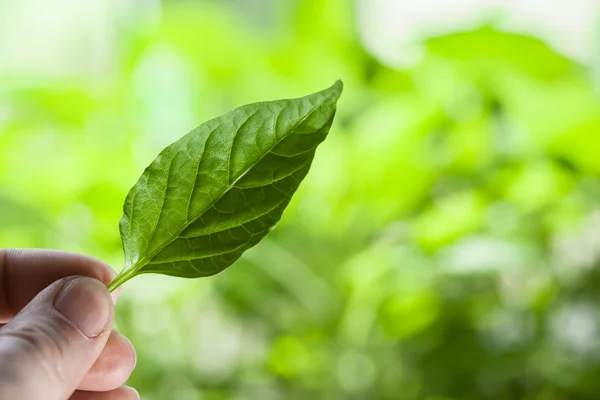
x=46, y=350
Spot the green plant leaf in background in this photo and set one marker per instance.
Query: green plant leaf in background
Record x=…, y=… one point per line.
x=220, y=189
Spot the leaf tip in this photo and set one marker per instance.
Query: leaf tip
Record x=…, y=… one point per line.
x=337, y=88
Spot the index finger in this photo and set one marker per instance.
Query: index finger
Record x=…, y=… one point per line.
x=26, y=272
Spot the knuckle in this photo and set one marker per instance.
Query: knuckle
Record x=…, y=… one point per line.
x=39, y=344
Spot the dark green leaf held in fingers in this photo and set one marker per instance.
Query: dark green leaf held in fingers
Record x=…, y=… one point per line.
x=221, y=188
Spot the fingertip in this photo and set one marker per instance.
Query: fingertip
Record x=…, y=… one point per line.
x=113, y=367
x=29, y=271
x=106, y=272
x=131, y=350
x=116, y=294
x=131, y=392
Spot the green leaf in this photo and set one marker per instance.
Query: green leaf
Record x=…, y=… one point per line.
x=220, y=189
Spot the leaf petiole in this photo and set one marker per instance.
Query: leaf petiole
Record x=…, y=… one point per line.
x=121, y=279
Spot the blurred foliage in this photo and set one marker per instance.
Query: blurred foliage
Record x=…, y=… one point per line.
x=443, y=246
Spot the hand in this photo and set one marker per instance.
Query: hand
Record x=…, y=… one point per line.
x=58, y=341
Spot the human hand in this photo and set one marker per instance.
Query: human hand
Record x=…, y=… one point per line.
x=57, y=342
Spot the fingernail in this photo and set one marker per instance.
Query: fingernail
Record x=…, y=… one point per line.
x=86, y=303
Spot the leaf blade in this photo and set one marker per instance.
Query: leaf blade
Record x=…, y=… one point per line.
x=221, y=188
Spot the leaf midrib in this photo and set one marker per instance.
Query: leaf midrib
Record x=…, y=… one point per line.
x=144, y=261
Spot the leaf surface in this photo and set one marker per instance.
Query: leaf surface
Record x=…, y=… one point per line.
x=221, y=188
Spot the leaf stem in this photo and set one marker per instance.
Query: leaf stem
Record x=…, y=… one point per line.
x=121, y=279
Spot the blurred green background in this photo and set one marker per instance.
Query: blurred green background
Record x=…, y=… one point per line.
x=445, y=244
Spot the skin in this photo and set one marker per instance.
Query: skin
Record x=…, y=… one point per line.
x=56, y=329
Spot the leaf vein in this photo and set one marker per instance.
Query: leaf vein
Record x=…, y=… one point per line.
x=146, y=260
